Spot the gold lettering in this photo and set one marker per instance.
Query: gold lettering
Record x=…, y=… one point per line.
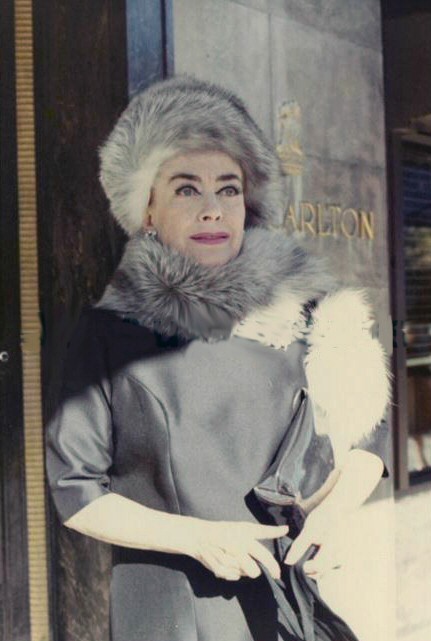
x=291, y=216
x=366, y=224
x=320, y=222
x=308, y=207
x=320, y=219
x=334, y=210
x=354, y=215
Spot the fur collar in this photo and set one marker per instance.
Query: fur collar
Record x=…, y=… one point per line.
x=173, y=295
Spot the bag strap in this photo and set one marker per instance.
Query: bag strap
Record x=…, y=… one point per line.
x=302, y=612
x=289, y=618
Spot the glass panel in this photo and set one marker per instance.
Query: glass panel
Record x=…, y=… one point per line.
x=417, y=252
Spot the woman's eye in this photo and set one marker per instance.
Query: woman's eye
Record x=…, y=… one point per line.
x=190, y=190
x=186, y=190
x=230, y=190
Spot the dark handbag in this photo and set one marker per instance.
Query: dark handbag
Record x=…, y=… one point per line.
x=298, y=479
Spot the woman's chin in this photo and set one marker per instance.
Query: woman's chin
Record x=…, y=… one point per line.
x=213, y=258
x=210, y=255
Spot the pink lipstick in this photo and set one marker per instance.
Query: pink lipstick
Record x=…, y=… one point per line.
x=208, y=238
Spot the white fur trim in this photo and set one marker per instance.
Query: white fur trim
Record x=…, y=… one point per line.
x=347, y=370
x=137, y=187
x=275, y=325
x=141, y=182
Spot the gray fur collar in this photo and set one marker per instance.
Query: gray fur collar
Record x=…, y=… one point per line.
x=171, y=294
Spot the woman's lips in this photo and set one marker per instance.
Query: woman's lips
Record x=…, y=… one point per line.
x=210, y=239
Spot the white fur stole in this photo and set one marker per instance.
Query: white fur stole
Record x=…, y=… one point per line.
x=347, y=370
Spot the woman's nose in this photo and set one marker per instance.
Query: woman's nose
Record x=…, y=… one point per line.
x=211, y=209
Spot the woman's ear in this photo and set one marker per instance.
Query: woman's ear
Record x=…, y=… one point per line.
x=151, y=199
x=147, y=222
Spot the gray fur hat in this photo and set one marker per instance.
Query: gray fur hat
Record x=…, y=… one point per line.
x=183, y=114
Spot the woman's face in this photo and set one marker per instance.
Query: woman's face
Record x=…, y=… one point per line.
x=197, y=206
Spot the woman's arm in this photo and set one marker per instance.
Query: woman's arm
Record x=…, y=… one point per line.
x=358, y=478
x=118, y=520
x=228, y=549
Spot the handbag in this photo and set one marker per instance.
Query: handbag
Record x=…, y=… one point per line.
x=300, y=476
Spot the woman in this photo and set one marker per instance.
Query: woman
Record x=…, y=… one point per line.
x=182, y=381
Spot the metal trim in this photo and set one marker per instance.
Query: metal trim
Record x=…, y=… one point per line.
x=30, y=323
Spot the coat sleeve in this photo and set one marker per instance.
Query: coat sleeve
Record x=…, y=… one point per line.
x=79, y=435
x=348, y=375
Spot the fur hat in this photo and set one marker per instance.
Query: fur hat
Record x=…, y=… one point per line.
x=183, y=114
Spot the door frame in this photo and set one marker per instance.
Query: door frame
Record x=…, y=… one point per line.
x=14, y=579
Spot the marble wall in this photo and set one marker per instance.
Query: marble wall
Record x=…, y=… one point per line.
x=319, y=63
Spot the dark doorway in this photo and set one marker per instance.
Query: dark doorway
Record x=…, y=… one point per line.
x=407, y=59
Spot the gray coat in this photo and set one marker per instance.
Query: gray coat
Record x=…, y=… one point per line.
x=166, y=403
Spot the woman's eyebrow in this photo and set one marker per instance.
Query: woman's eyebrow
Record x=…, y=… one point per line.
x=229, y=177
x=198, y=179
x=186, y=176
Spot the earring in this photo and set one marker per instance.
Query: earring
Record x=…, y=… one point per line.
x=150, y=233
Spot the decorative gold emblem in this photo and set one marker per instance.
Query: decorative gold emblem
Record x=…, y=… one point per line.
x=313, y=218
x=289, y=146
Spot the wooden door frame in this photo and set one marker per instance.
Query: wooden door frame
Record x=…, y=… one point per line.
x=14, y=582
